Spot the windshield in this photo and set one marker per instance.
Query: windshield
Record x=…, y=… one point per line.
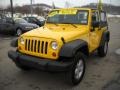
x=41, y=18
x=20, y=21
x=34, y=19
x=68, y=17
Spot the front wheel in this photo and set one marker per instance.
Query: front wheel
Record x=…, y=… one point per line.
x=76, y=74
x=18, y=32
x=102, y=50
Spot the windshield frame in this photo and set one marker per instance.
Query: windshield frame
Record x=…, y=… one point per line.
x=73, y=14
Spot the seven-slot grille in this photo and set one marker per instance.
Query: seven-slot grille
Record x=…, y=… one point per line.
x=37, y=46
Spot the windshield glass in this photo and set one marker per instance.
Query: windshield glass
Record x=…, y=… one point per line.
x=34, y=19
x=41, y=18
x=20, y=21
x=68, y=17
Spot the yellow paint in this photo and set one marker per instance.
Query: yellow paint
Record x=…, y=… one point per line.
x=51, y=32
x=53, y=13
x=68, y=11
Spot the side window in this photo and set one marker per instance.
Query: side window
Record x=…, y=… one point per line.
x=3, y=20
x=0, y=20
x=95, y=17
x=26, y=19
x=103, y=17
x=82, y=17
x=30, y=20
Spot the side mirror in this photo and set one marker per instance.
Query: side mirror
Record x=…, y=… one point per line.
x=95, y=24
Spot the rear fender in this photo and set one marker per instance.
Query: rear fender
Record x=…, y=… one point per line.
x=105, y=37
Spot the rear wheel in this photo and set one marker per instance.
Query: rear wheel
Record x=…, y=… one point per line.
x=76, y=74
x=102, y=50
x=18, y=32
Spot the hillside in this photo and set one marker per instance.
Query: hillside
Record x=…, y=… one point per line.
x=111, y=9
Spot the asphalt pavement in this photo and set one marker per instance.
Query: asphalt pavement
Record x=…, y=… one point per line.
x=101, y=73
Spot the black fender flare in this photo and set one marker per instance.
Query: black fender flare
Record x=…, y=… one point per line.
x=14, y=42
x=105, y=37
x=69, y=49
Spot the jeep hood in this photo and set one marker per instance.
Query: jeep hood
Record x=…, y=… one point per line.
x=57, y=31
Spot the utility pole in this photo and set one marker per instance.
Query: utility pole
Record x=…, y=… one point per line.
x=31, y=8
x=110, y=6
x=53, y=5
x=67, y=4
x=11, y=4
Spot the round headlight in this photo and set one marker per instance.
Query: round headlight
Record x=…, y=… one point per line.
x=54, y=45
x=22, y=41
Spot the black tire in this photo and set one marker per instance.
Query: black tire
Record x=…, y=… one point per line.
x=72, y=74
x=19, y=32
x=22, y=67
x=102, y=50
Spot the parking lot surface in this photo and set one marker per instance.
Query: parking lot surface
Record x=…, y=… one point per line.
x=101, y=73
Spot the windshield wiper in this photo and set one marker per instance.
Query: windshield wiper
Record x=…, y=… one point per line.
x=71, y=24
x=74, y=25
x=53, y=23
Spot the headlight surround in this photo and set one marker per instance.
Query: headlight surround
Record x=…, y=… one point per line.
x=54, y=45
x=22, y=41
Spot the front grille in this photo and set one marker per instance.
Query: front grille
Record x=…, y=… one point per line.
x=37, y=46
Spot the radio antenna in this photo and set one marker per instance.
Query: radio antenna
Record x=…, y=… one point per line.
x=100, y=6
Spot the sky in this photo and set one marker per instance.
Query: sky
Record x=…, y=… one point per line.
x=58, y=3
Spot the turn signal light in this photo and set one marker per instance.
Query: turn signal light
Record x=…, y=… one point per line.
x=54, y=54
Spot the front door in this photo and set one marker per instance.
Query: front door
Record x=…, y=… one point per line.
x=94, y=32
x=100, y=25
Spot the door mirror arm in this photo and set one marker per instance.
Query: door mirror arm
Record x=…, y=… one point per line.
x=95, y=24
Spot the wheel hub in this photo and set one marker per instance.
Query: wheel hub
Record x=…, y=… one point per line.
x=79, y=69
x=19, y=32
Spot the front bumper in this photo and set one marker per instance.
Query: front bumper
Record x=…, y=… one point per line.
x=40, y=63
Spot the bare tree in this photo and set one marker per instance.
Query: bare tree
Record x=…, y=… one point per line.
x=39, y=11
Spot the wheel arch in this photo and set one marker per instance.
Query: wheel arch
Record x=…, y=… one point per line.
x=105, y=37
x=69, y=49
x=14, y=42
x=18, y=28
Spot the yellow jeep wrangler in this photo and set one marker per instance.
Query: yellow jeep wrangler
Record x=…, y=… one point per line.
x=63, y=42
